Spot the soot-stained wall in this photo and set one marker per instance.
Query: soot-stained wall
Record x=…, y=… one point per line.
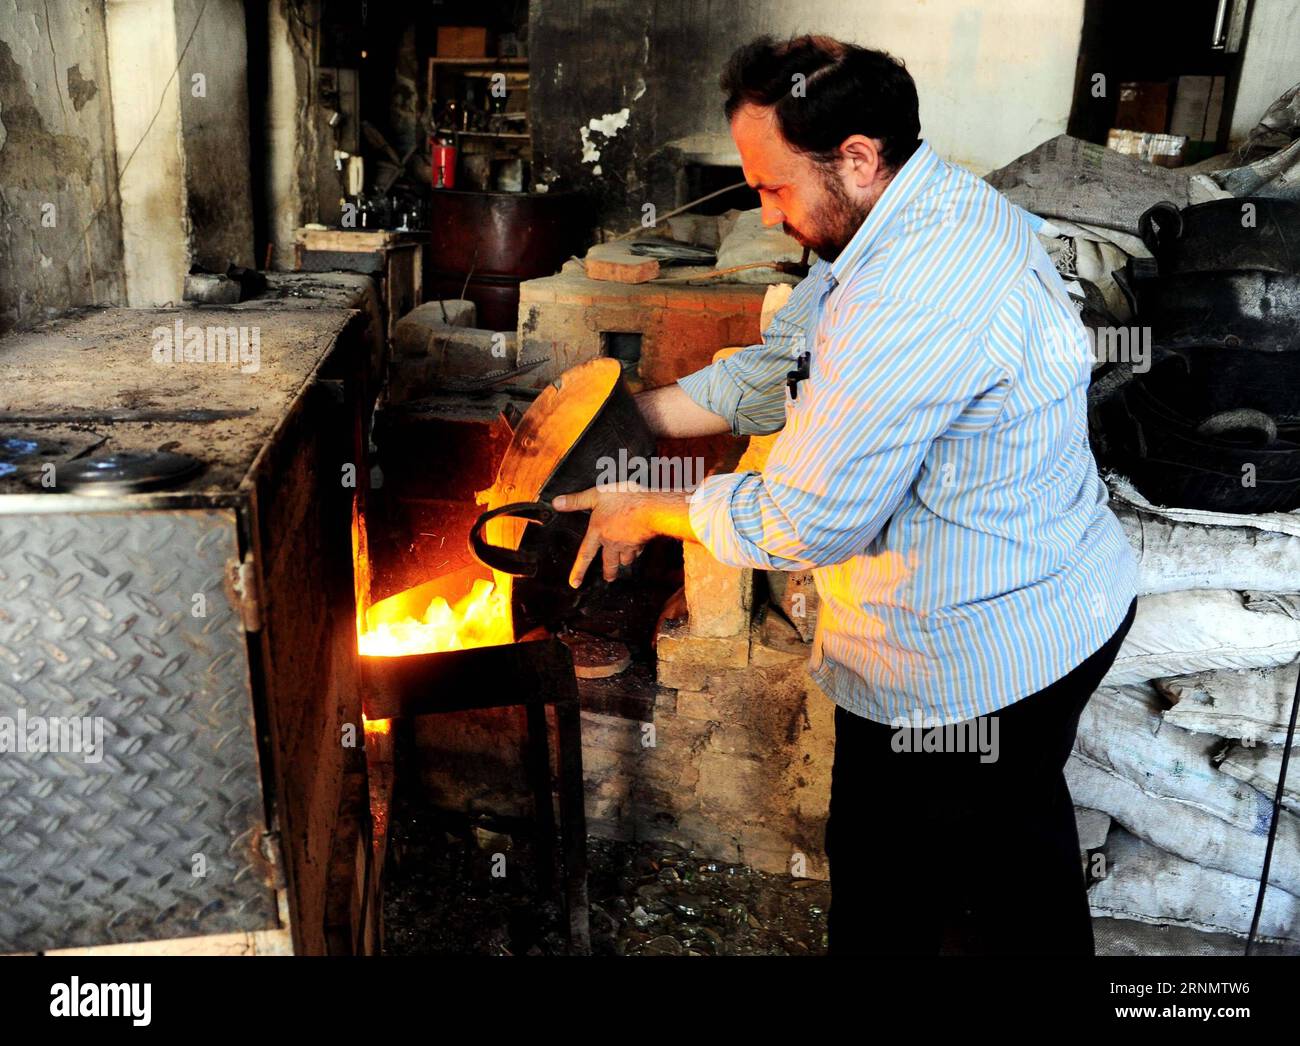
x=626, y=78
x=60, y=230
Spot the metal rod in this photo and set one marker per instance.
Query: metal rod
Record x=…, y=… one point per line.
x=676, y=211
x=458, y=680
x=1220, y=17
x=538, y=759
x=1277, y=811
x=573, y=823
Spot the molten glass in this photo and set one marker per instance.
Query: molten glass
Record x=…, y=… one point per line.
x=481, y=618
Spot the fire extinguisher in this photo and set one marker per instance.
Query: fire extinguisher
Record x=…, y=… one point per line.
x=443, y=162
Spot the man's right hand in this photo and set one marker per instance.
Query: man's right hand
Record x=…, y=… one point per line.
x=668, y=411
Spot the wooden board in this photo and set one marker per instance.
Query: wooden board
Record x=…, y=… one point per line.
x=403, y=282
x=463, y=41
x=260, y=942
x=308, y=664
x=363, y=241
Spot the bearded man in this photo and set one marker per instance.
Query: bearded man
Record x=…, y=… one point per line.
x=928, y=379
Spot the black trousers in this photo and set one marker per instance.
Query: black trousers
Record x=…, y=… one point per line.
x=928, y=846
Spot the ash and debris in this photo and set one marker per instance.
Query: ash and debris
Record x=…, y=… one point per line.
x=441, y=898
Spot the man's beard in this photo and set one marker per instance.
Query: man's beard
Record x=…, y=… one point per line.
x=835, y=220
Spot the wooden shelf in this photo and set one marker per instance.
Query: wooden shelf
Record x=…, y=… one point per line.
x=517, y=135
x=449, y=75
x=519, y=78
x=520, y=62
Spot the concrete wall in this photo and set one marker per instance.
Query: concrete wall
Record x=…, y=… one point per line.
x=1270, y=63
x=994, y=80
x=60, y=230
x=116, y=173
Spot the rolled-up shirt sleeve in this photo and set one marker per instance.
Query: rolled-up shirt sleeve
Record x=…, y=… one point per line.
x=890, y=378
x=748, y=387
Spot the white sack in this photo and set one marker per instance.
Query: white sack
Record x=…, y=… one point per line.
x=774, y=300
x=1158, y=782
x=1179, y=633
x=1093, y=826
x=751, y=241
x=1260, y=767
x=1154, y=886
x=1174, y=556
x=1251, y=705
x=1185, y=829
x=1122, y=491
x=1092, y=253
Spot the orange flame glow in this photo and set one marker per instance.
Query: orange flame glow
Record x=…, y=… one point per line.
x=482, y=618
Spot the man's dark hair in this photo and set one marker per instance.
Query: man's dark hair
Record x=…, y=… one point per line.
x=845, y=90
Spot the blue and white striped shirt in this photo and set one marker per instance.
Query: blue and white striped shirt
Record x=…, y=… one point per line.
x=934, y=471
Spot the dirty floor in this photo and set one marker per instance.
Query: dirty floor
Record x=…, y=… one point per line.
x=442, y=897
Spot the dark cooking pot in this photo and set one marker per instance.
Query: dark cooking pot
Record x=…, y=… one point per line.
x=1252, y=232
x=586, y=415
x=1252, y=308
x=1186, y=439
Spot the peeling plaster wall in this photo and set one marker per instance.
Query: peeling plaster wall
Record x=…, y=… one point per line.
x=299, y=150
x=146, y=119
x=994, y=80
x=180, y=114
x=57, y=163
x=218, y=199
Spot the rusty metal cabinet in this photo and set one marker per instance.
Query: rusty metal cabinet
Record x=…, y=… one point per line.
x=208, y=628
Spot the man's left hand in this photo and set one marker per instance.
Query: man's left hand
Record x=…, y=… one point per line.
x=623, y=519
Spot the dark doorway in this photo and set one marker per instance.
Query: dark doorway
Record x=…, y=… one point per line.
x=1164, y=48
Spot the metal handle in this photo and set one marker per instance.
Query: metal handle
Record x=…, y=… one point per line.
x=508, y=560
x=1242, y=420
x=1160, y=225
x=1219, y=35
x=1229, y=26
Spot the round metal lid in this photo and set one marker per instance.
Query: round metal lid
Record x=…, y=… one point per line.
x=15, y=451
x=127, y=472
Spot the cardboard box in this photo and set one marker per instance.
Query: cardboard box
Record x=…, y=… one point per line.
x=1144, y=106
x=1198, y=105
x=463, y=41
x=1164, y=150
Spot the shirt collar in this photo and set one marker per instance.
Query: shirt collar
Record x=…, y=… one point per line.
x=898, y=193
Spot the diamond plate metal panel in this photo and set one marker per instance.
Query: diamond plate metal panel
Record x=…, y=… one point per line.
x=97, y=619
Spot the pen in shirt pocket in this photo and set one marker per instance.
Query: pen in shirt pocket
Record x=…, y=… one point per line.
x=800, y=373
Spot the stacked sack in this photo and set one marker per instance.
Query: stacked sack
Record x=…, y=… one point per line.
x=1178, y=752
